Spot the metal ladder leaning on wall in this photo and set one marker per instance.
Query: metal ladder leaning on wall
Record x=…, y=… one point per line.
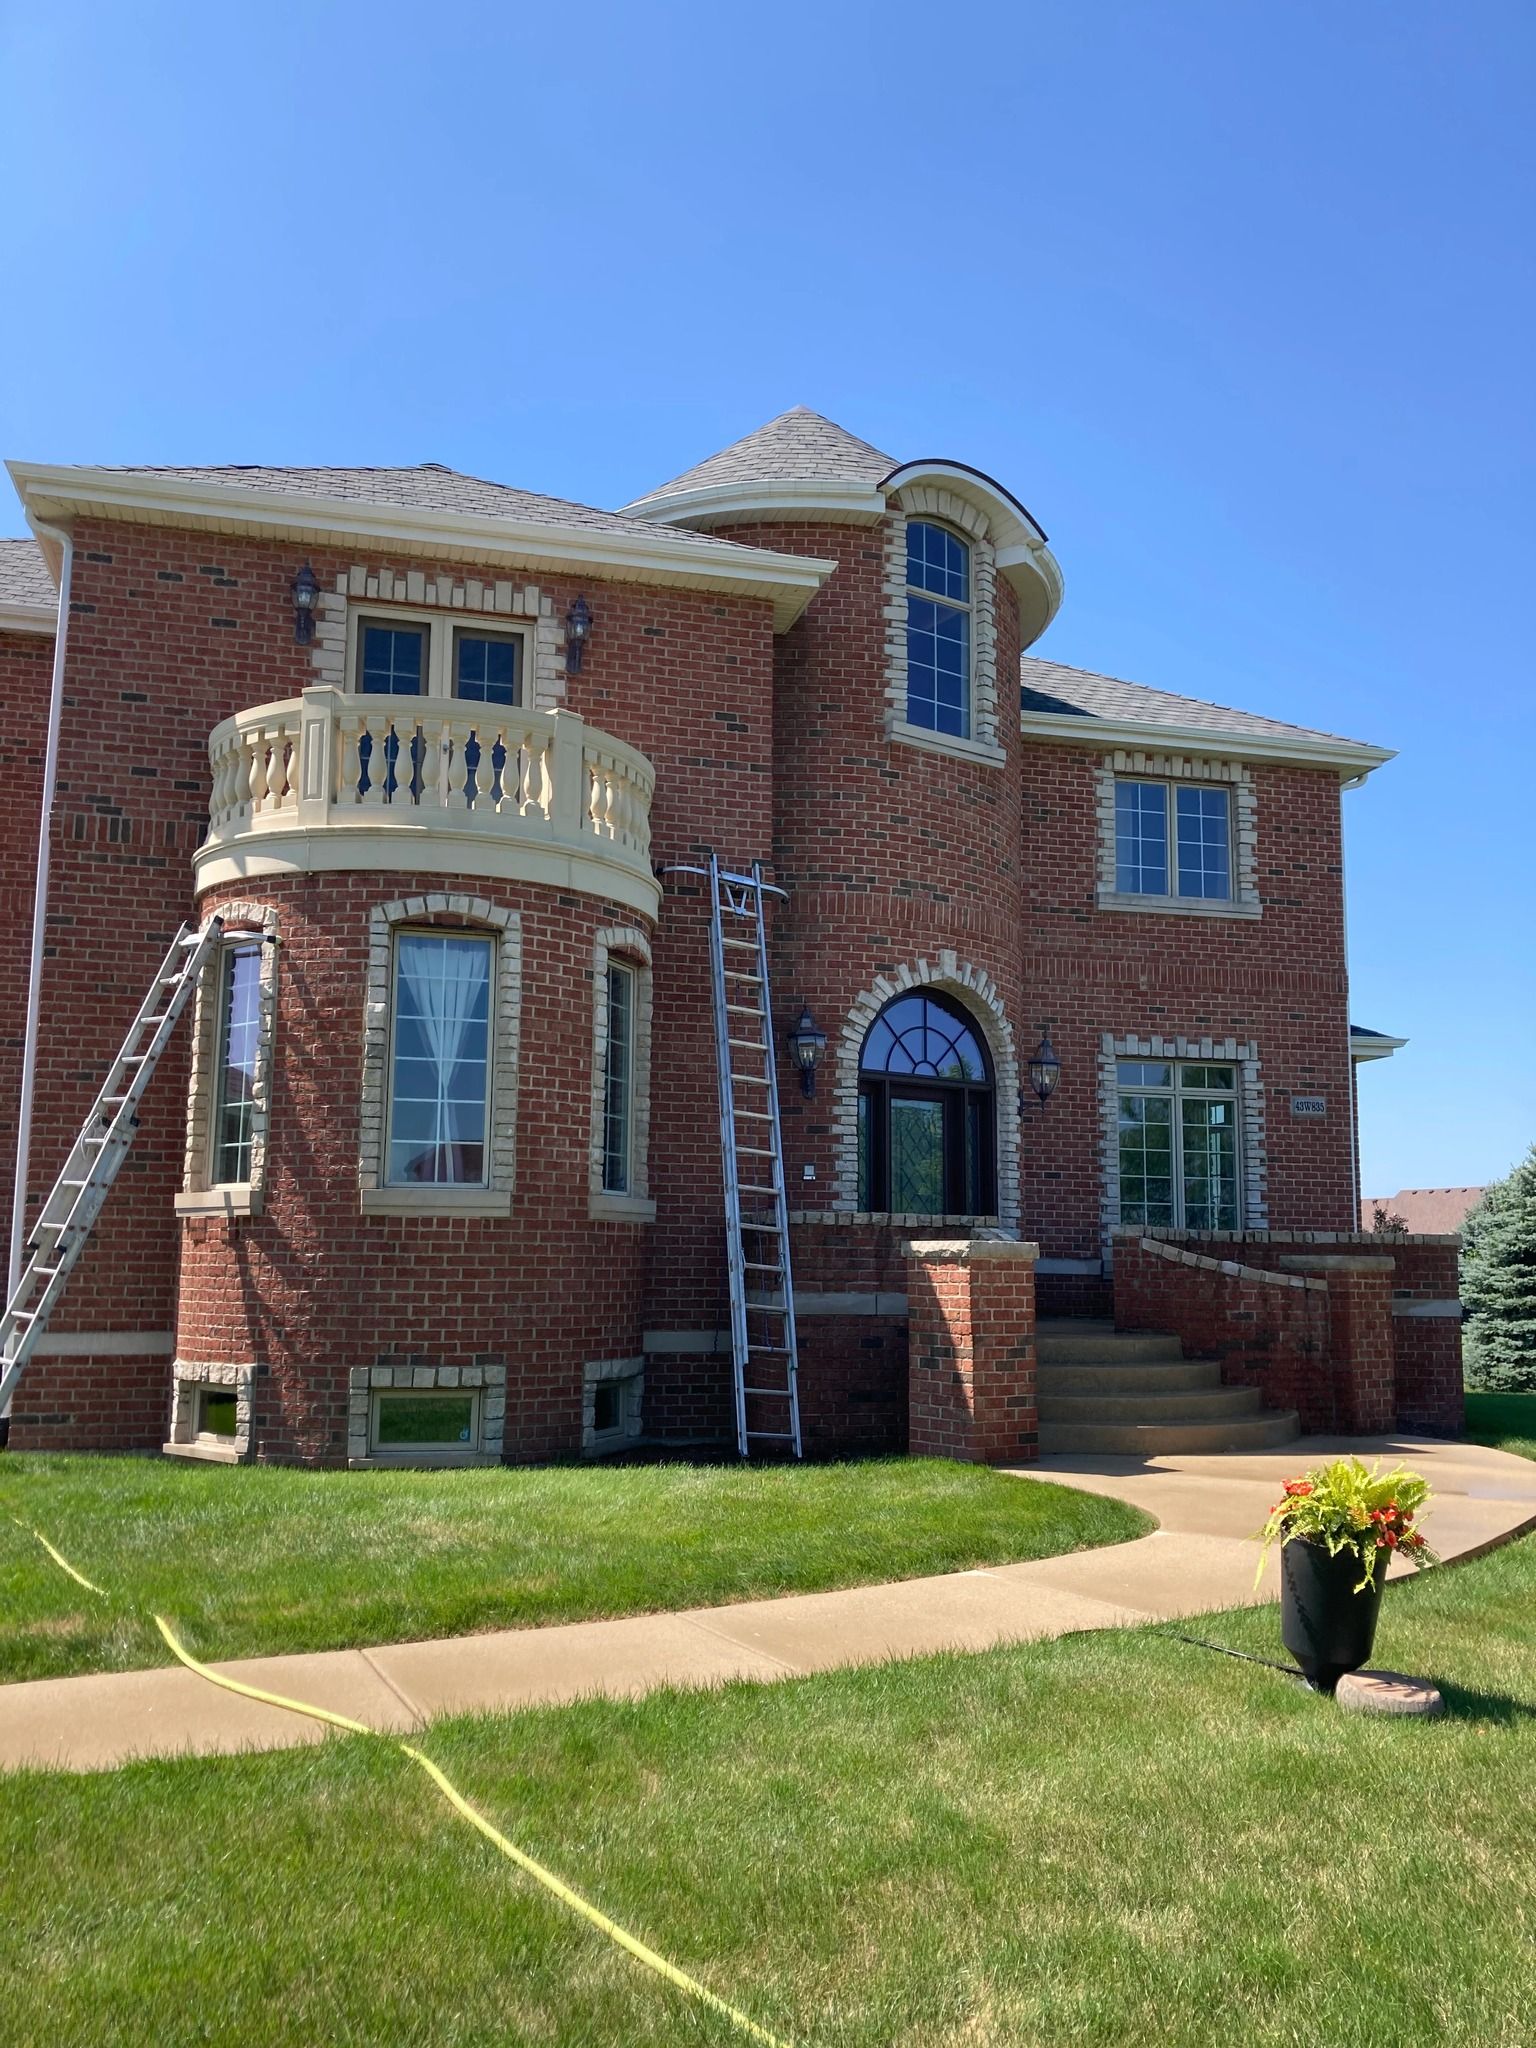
x=764, y=1357
x=67, y=1218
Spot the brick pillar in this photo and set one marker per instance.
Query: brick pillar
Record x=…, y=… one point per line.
x=1359, y=1336
x=971, y=1350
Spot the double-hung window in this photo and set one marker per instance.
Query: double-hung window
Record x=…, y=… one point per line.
x=440, y=1060
x=619, y=1080
x=938, y=629
x=1178, y=1144
x=1173, y=839
x=237, y=1061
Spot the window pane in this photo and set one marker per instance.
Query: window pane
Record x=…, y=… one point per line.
x=440, y=1067
x=938, y=560
x=239, y=1048
x=422, y=1421
x=1207, y=1077
x=607, y=1407
x=486, y=670
x=619, y=1079
x=1146, y=1159
x=866, y=1160
x=917, y=1157
x=938, y=667
x=216, y=1412
x=916, y=1035
x=1205, y=868
x=393, y=660
x=1145, y=1074
x=1141, y=838
x=1209, y=1135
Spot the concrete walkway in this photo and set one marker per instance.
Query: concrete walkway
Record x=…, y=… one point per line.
x=1201, y=1557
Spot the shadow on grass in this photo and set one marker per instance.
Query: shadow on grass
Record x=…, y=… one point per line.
x=1465, y=1703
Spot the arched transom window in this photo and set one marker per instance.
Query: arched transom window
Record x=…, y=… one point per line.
x=927, y=1115
x=938, y=629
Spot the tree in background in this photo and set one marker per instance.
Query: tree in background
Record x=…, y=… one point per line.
x=1498, y=1283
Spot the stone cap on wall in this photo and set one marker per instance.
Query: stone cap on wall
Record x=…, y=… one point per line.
x=969, y=1251
x=1337, y=1262
x=1375, y=1240
x=1265, y=1275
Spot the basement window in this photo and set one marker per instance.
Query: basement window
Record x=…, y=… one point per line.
x=216, y=1414
x=406, y=1423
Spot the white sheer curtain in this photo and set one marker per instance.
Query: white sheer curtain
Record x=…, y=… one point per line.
x=446, y=981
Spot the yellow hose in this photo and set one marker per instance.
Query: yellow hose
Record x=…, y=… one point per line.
x=562, y=1891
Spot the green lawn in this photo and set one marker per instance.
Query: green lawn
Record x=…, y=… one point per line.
x=1507, y=1421
x=1111, y=1839
x=253, y=1560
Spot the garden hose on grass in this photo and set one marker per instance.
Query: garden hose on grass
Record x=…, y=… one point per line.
x=630, y=1943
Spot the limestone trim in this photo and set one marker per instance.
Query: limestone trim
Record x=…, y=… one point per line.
x=188, y=1381
x=931, y=501
x=445, y=912
x=1179, y=1255
x=200, y=1194
x=630, y=945
x=627, y=1375
x=1252, y=1167
x=981, y=998
x=440, y=603
x=486, y=1379
x=1245, y=900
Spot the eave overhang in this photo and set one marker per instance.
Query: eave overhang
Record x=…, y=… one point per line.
x=1352, y=760
x=29, y=618
x=60, y=494
x=1372, y=1045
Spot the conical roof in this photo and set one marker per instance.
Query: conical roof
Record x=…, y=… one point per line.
x=800, y=446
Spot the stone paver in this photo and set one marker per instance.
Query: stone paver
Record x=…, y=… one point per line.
x=1201, y=1557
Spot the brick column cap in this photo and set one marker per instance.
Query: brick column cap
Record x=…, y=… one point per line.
x=1337, y=1263
x=967, y=1251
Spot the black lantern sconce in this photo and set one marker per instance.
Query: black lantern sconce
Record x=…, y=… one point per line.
x=578, y=624
x=806, y=1042
x=304, y=590
x=1044, y=1070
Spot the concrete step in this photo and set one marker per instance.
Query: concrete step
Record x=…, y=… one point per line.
x=1162, y=1378
x=1070, y=1340
x=1266, y=1432
x=1198, y=1404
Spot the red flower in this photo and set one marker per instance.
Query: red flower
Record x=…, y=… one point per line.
x=1298, y=1486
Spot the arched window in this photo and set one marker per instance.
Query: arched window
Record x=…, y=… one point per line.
x=938, y=629
x=927, y=1116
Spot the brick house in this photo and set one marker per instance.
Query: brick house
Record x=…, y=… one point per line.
x=432, y=1169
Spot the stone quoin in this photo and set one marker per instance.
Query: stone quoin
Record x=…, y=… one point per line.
x=430, y=1172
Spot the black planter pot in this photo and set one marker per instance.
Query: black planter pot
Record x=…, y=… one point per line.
x=1325, y=1624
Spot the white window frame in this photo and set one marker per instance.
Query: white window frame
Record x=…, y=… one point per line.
x=967, y=607
x=488, y=941
x=1176, y=1094
x=1177, y=772
x=408, y=1454
x=247, y=924
x=627, y=1377
x=1252, y=1144
x=627, y=973
x=443, y=631
x=628, y=947
x=240, y=942
x=1171, y=868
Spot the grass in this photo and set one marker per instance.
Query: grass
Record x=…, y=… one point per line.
x=1507, y=1421
x=1109, y=1839
x=256, y=1560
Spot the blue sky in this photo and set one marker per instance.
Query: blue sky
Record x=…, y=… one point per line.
x=1239, y=300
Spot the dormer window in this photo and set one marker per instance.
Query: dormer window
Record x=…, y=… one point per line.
x=938, y=629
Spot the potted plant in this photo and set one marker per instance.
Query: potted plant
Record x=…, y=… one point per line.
x=1339, y=1527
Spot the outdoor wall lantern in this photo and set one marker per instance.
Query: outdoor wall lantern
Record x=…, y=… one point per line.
x=1044, y=1069
x=806, y=1042
x=304, y=590
x=578, y=624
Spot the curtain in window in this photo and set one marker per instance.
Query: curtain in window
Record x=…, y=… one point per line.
x=442, y=1005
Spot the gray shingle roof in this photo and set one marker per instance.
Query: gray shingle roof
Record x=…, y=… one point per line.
x=800, y=446
x=24, y=577
x=1051, y=686
x=428, y=486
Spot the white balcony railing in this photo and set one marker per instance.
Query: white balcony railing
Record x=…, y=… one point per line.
x=475, y=788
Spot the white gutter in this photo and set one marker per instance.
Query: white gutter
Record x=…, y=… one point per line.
x=40, y=910
x=1353, y=759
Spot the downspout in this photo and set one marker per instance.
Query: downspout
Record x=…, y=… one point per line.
x=40, y=909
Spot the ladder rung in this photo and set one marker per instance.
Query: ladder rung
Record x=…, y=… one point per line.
x=758, y=1116
x=756, y=1152
x=748, y=1045
x=746, y=1188
x=741, y=974
x=772, y=1393
x=745, y=1009
x=761, y=1266
x=769, y=1350
x=778, y=1436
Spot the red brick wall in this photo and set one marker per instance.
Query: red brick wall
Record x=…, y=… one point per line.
x=972, y=1337
x=26, y=669
x=1268, y=1332
x=1279, y=980
x=92, y=1403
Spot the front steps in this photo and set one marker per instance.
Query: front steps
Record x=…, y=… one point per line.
x=1135, y=1394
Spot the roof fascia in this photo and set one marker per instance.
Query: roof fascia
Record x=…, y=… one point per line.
x=812, y=498
x=51, y=493
x=1377, y=1047
x=1353, y=759
x=28, y=618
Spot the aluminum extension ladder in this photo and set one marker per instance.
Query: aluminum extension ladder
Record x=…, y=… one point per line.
x=68, y=1216
x=764, y=1358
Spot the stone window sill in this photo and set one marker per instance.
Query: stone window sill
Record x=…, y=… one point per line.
x=604, y=1207
x=204, y=1453
x=421, y=1461
x=985, y=752
x=236, y=1200
x=1179, y=906
x=892, y=1218
x=435, y=1202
